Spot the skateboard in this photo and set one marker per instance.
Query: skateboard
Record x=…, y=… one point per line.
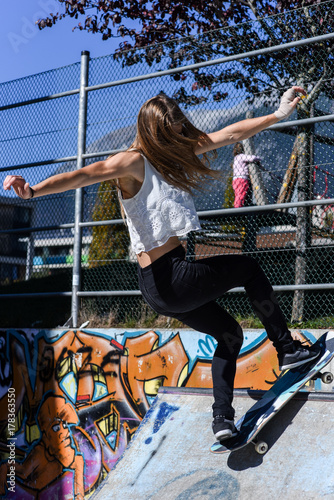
x=275, y=398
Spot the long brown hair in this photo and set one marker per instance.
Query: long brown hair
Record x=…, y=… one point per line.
x=171, y=153
x=238, y=149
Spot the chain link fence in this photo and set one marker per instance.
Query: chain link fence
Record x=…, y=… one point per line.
x=74, y=247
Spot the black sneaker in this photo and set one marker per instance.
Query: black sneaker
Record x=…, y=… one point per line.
x=223, y=428
x=301, y=354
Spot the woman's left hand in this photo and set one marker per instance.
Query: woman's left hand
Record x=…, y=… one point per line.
x=289, y=102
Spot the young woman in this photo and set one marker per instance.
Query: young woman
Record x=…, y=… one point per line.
x=155, y=177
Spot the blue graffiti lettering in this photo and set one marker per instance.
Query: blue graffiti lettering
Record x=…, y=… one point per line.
x=164, y=412
x=207, y=346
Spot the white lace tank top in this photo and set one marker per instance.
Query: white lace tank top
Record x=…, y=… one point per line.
x=158, y=211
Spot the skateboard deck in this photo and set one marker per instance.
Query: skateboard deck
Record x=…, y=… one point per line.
x=275, y=398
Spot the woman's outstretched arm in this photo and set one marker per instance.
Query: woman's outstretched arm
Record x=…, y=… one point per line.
x=247, y=128
x=124, y=164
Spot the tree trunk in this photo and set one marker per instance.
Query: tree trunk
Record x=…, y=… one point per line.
x=290, y=177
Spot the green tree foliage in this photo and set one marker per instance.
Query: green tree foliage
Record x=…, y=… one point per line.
x=229, y=193
x=109, y=242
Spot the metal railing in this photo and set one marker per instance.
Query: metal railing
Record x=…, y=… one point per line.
x=267, y=231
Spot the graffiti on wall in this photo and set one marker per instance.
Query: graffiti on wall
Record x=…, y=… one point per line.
x=70, y=401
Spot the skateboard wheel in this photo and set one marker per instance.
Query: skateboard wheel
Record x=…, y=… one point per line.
x=261, y=447
x=327, y=377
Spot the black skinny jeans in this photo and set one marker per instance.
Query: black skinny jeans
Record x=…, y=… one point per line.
x=188, y=291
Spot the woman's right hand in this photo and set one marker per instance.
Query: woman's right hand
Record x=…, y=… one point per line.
x=20, y=186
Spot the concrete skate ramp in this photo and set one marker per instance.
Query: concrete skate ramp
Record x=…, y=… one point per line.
x=169, y=457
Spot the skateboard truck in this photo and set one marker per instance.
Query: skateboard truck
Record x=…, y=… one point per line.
x=326, y=377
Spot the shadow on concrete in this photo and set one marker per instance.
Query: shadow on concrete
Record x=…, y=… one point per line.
x=247, y=457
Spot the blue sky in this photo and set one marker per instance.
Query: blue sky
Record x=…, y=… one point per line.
x=26, y=50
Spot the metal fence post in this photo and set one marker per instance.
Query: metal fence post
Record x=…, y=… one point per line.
x=303, y=222
x=77, y=245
